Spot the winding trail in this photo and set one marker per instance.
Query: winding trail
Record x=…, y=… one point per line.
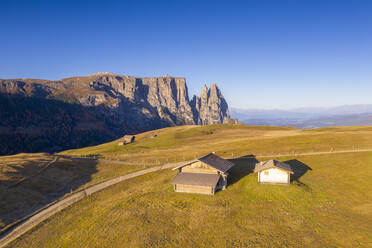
x=54, y=207
x=44, y=213
x=46, y=166
x=313, y=153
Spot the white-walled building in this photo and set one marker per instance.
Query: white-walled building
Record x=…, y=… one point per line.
x=273, y=171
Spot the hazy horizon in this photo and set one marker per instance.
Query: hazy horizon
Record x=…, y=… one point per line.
x=262, y=54
x=305, y=107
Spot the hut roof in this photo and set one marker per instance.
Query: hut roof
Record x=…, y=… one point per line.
x=272, y=164
x=213, y=160
x=217, y=162
x=127, y=138
x=198, y=179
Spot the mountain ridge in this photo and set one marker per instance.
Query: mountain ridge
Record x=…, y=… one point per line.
x=118, y=104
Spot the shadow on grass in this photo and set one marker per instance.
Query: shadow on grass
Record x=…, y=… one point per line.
x=243, y=166
x=23, y=190
x=299, y=169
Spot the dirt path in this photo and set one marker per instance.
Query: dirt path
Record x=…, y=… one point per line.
x=44, y=213
x=100, y=159
x=46, y=166
x=51, y=209
x=313, y=153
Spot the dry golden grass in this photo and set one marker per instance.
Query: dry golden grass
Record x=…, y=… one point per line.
x=60, y=178
x=187, y=142
x=325, y=208
x=329, y=207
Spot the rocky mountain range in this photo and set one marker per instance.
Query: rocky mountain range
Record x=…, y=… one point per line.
x=43, y=115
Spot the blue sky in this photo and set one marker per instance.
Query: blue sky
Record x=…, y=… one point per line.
x=262, y=54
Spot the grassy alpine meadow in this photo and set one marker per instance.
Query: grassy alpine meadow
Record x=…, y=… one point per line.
x=329, y=206
x=188, y=142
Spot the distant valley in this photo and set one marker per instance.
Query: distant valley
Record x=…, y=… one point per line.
x=349, y=115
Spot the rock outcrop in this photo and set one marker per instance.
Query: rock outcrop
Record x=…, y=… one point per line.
x=211, y=107
x=42, y=115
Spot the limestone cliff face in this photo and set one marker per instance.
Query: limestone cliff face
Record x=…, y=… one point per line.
x=42, y=115
x=210, y=107
x=140, y=104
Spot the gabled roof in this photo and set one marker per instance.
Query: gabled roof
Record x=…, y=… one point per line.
x=212, y=160
x=199, y=179
x=272, y=164
x=217, y=162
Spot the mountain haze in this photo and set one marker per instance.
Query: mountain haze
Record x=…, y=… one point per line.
x=347, y=115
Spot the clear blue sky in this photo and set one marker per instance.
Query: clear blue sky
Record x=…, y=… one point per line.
x=262, y=54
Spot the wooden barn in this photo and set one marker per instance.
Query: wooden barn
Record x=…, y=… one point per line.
x=274, y=172
x=204, y=175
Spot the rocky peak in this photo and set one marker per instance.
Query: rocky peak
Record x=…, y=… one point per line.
x=113, y=103
x=211, y=107
x=214, y=90
x=204, y=90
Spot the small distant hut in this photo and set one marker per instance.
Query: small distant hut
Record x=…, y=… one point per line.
x=232, y=121
x=127, y=139
x=204, y=175
x=273, y=172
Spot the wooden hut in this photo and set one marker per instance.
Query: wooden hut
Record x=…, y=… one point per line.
x=127, y=139
x=204, y=175
x=273, y=172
